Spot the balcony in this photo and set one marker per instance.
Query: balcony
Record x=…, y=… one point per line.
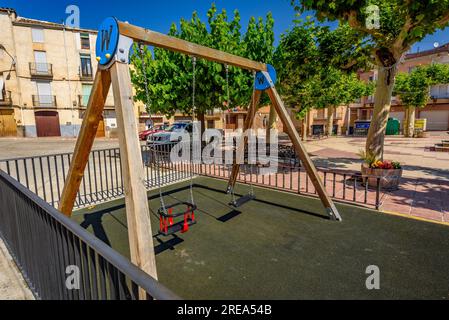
x=83, y=101
x=41, y=70
x=318, y=117
x=439, y=96
x=40, y=101
x=5, y=99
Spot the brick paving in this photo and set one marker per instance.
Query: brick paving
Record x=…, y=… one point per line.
x=424, y=190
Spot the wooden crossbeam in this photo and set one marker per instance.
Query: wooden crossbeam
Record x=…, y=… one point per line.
x=174, y=44
x=86, y=137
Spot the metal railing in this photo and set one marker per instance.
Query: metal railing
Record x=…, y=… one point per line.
x=337, y=116
x=41, y=101
x=44, y=243
x=103, y=180
x=41, y=69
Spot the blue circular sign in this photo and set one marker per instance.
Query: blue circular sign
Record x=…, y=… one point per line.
x=107, y=41
x=262, y=83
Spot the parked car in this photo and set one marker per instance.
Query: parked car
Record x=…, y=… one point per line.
x=143, y=136
x=163, y=138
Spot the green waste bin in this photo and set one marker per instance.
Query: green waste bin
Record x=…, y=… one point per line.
x=393, y=127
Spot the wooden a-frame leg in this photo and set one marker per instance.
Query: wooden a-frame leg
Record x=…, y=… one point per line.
x=85, y=140
x=249, y=120
x=303, y=155
x=136, y=199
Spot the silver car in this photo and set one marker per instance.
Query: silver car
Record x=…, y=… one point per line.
x=163, y=138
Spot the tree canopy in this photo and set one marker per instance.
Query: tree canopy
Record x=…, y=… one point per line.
x=390, y=28
x=170, y=74
x=414, y=89
x=317, y=67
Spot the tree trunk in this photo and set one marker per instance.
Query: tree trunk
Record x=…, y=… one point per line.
x=382, y=105
x=202, y=120
x=271, y=123
x=330, y=121
x=304, y=128
x=411, y=122
x=405, y=124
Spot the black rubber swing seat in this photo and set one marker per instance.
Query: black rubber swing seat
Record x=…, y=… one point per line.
x=243, y=200
x=167, y=216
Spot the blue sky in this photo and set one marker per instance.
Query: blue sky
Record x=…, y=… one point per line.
x=158, y=15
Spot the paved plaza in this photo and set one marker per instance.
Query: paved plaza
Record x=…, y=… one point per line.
x=424, y=191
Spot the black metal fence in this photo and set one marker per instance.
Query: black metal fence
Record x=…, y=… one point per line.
x=44, y=243
x=103, y=180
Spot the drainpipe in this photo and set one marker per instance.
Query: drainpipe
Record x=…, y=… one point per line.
x=68, y=80
x=19, y=84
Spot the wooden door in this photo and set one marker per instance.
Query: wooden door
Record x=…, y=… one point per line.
x=100, y=131
x=47, y=124
x=8, y=127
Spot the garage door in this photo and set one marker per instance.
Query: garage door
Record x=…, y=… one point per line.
x=8, y=127
x=47, y=124
x=400, y=116
x=437, y=120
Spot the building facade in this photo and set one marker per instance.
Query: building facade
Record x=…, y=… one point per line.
x=45, y=93
x=437, y=110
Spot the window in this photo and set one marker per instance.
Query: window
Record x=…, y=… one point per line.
x=85, y=41
x=366, y=114
x=440, y=91
x=86, y=88
x=44, y=95
x=38, y=35
x=86, y=66
x=321, y=114
x=42, y=67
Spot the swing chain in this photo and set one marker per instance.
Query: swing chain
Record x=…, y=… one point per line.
x=228, y=96
x=145, y=79
x=148, y=105
x=193, y=112
x=193, y=84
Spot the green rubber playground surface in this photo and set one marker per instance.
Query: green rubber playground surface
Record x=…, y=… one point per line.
x=281, y=246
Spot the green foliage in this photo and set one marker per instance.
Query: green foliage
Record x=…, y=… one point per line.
x=368, y=157
x=317, y=66
x=170, y=74
x=402, y=22
x=414, y=88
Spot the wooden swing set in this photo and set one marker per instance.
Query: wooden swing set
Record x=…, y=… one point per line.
x=114, y=42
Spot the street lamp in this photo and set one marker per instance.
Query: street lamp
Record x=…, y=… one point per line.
x=13, y=63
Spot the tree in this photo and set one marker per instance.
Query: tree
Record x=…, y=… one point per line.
x=414, y=90
x=317, y=68
x=338, y=88
x=391, y=28
x=170, y=74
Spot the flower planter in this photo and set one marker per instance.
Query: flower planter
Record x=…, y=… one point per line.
x=389, y=178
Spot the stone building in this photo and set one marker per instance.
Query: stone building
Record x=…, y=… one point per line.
x=48, y=88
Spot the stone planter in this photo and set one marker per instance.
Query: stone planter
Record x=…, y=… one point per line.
x=389, y=178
